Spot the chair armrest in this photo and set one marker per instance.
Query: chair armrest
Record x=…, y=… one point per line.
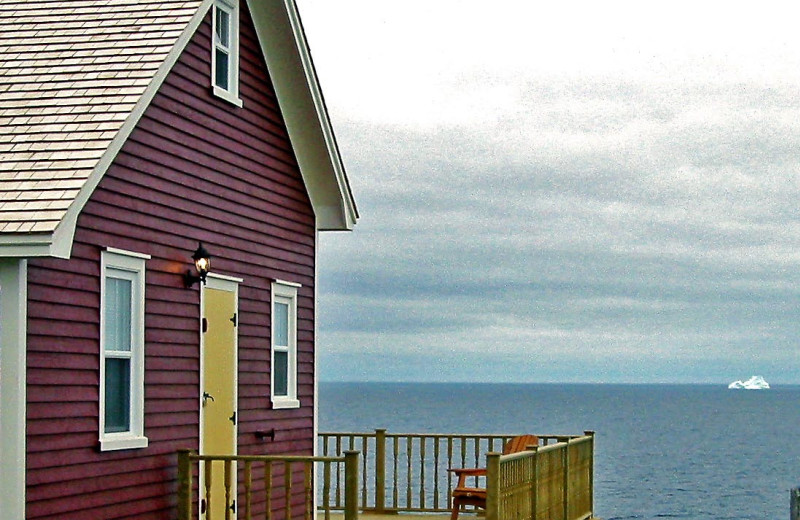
x=464, y=473
x=470, y=472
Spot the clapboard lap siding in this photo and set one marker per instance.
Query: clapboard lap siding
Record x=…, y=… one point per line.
x=251, y=204
x=195, y=168
x=89, y=486
x=173, y=136
x=216, y=134
x=131, y=507
x=126, y=221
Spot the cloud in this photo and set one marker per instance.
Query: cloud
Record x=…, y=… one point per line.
x=628, y=223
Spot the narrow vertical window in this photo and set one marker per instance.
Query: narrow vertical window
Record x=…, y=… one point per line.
x=118, y=310
x=122, y=350
x=284, y=345
x=225, y=51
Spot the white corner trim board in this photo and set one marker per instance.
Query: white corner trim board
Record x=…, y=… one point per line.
x=13, y=342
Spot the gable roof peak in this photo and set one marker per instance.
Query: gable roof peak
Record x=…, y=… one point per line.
x=78, y=74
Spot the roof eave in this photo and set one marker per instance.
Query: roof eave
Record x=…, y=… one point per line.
x=291, y=69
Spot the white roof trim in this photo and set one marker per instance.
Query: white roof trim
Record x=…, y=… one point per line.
x=284, y=45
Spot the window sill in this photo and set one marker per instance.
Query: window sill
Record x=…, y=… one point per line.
x=122, y=442
x=230, y=97
x=281, y=403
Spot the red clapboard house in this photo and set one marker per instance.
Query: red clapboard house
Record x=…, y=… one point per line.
x=136, y=133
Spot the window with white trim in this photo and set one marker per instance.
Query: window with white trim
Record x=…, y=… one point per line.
x=225, y=51
x=284, y=345
x=122, y=350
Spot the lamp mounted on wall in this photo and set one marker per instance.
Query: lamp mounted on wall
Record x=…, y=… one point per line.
x=202, y=264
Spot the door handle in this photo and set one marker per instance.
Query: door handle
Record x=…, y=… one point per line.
x=206, y=397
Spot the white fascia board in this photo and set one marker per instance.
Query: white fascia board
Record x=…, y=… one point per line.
x=32, y=245
x=13, y=346
x=285, y=50
x=315, y=359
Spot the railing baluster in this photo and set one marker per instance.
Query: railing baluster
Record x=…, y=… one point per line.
x=268, y=488
x=308, y=490
x=248, y=488
x=449, y=465
x=227, y=483
x=422, y=442
x=396, y=477
x=463, y=441
x=339, y=471
x=287, y=484
x=409, y=452
x=364, y=472
x=326, y=489
x=436, y=472
x=208, y=471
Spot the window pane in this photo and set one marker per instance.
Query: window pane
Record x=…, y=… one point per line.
x=281, y=324
x=118, y=314
x=221, y=78
x=118, y=395
x=223, y=27
x=281, y=376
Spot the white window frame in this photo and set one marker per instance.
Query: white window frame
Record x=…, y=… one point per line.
x=231, y=94
x=116, y=263
x=286, y=293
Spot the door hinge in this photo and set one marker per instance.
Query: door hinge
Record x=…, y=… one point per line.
x=205, y=325
x=234, y=319
x=233, y=507
x=232, y=418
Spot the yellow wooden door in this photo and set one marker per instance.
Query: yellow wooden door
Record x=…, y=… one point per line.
x=218, y=398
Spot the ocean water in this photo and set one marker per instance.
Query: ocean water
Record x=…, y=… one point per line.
x=662, y=451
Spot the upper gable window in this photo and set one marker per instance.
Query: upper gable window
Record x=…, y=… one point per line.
x=225, y=51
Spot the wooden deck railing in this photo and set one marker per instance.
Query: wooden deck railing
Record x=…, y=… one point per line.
x=408, y=472
x=270, y=483
x=553, y=482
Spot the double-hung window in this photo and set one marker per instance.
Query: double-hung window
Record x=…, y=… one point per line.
x=225, y=51
x=122, y=350
x=284, y=345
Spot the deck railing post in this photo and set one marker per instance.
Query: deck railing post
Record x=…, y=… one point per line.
x=493, y=486
x=184, y=485
x=565, y=462
x=535, y=486
x=351, y=485
x=590, y=433
x=380, y=470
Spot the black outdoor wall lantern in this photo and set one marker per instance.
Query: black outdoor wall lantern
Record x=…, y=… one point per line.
x=202, y=263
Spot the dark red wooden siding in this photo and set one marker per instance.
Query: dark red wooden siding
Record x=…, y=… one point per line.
x=195, y=169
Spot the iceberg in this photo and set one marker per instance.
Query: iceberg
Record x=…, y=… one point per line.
x=754, y=383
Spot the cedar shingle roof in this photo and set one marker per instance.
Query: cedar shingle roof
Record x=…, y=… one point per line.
x=71, y=73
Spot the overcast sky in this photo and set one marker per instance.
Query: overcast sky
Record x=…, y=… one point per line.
x=560, y=192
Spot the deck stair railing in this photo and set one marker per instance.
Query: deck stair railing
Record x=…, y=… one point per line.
x=408, y=472
x=270, y=483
